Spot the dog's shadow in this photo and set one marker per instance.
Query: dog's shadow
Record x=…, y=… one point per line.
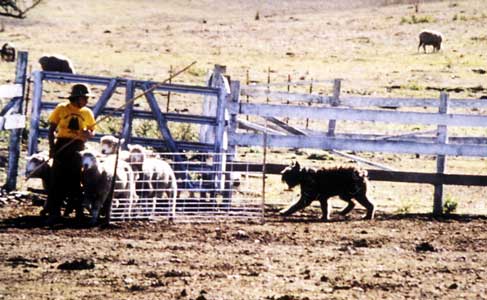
x=380, y=217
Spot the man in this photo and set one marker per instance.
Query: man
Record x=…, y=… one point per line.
x=71, y=125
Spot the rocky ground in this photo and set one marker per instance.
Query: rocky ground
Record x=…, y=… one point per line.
x=371, y=45
x=392, y=257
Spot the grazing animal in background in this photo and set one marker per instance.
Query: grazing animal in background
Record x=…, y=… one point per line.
x=430, y=37
x=97, y=178
x=321, y=184
x=56, y=63
x=8, y=52
x=155, y=178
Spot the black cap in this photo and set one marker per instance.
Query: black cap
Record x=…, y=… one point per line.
x=80, y=90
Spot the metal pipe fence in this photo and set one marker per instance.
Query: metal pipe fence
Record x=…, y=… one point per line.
x=206, y=189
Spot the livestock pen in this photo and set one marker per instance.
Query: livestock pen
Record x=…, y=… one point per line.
x=344, y=125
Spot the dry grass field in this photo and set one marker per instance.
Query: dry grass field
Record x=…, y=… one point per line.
x=371, y=45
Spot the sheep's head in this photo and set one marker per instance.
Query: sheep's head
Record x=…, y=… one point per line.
x=109, y=144
x=36, y=165
x=137, y=154
x=88, y=159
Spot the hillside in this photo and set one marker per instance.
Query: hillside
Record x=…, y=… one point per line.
x=369, y=44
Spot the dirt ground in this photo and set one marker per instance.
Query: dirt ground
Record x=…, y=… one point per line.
x=392, y=257
x=371, y=44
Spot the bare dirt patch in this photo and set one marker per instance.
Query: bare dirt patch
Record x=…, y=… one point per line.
x=392, y=257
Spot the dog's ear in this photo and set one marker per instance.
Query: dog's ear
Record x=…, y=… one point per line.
x=296, y=165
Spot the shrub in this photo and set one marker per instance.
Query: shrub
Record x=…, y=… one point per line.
x=184, y=131
x=146, y=128
x=417, y=19
x=450, y=205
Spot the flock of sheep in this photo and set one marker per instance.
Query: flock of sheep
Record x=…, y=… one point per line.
x=144, y=184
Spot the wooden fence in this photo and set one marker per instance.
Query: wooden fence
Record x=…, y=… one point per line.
x=334, y=108
x=337, y=108
x=15, y=108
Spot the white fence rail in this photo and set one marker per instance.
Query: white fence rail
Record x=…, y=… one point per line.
x=362, y=101
x=376, y=112
x=458, y=146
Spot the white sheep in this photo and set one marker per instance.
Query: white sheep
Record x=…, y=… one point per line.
x=110, y=144
x=97, y=178
x=154, y=177
x=39, y=166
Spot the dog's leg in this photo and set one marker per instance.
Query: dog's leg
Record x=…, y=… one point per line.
x=303, y=202
x=364, y=201
x=350, y=205
x=324, y=209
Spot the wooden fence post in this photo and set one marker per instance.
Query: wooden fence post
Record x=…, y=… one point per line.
x=171, y=71
x=247, y=82
x=15, y=134
x=233, y=125
x=309, y=104
x=268, y=82
x=35, y=114
x=232, y=149
x=442, y=138
x=335, y=101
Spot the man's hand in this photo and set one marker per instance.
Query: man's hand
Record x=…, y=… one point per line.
x=86, y=134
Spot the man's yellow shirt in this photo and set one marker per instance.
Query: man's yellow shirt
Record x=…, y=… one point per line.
x=71, y=120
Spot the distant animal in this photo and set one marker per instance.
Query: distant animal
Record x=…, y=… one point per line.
x=8, y=52
x=430, y=37
x=155, y=178
x=97, y=178
x=56, y=63
x=321, y=184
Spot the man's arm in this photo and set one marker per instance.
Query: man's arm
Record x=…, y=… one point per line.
x=51, y=137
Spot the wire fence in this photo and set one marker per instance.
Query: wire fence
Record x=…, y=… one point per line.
x=203, y=188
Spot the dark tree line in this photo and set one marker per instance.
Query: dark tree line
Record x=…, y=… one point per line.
x=16, y=8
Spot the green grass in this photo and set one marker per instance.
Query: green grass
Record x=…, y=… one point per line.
x=450, y=205
x=417, y=20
